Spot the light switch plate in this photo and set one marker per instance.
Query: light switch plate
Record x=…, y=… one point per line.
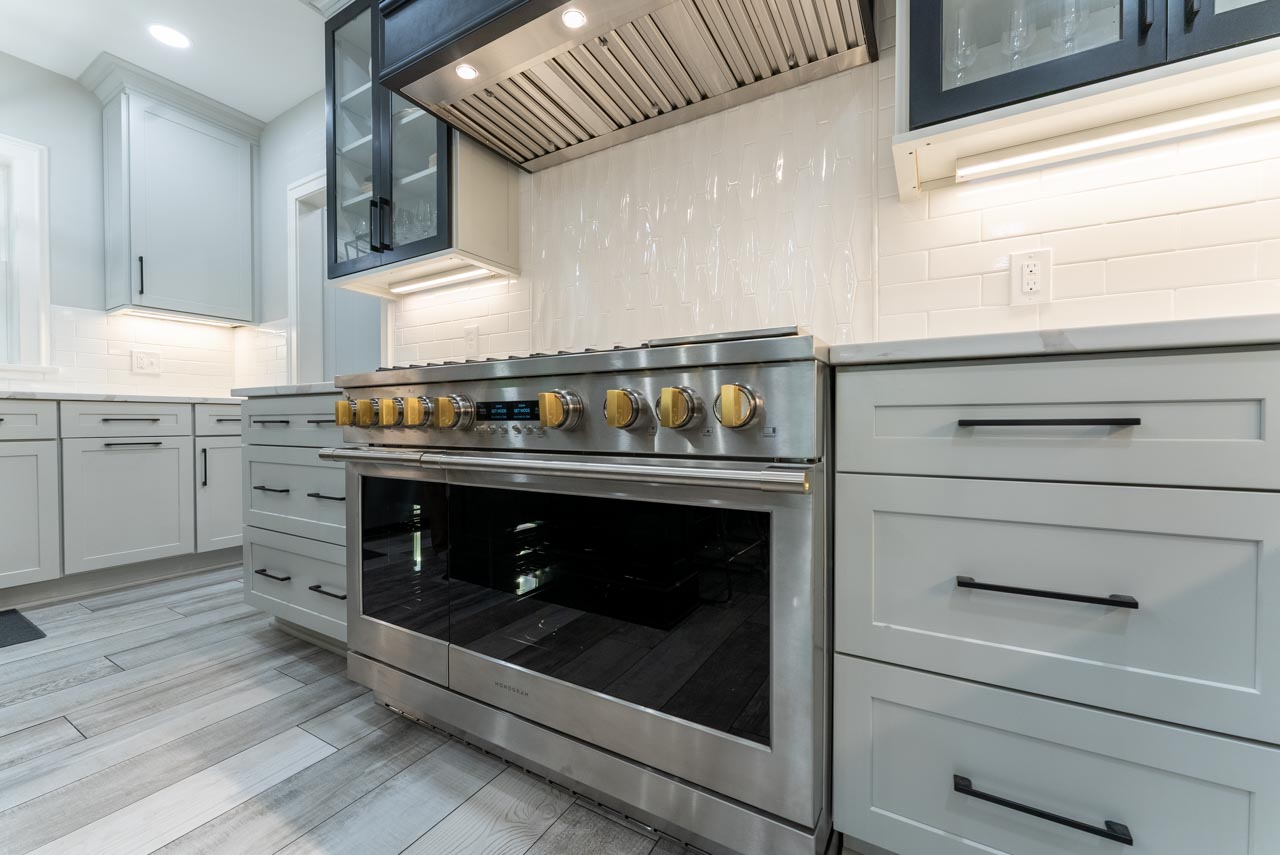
x=1030, y=277
x=145, y=362
x=471, y=341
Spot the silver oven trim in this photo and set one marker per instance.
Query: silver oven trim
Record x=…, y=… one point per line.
x=708, y=821
x=769, y=478
x=787, y=778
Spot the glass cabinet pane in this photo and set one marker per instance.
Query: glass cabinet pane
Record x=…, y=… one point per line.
x=983, y=39
x=353, y=136
x=1231, y=5
x=415, y=180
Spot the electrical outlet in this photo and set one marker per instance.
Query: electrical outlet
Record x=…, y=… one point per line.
x=471, y=341
x=1030, y=277
x=145, y=361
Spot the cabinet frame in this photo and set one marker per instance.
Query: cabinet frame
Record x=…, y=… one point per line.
x=46, y=498
x=215, y=488
x=1205, y=31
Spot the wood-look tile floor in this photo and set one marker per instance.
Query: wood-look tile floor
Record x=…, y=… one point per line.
x=174, y=718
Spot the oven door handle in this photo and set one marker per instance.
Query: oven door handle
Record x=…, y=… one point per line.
x=769, y=479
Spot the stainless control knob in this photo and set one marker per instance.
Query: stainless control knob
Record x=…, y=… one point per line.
x=455, y=412
x=559, y=410
x=737, y=406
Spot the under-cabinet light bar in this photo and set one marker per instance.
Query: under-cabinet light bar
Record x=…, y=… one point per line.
x=1227, y=112
x=182, y=319
x=464, y=275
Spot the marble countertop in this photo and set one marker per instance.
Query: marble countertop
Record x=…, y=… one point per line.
x=1160, y=335
x=291, y=389
x=139, y=399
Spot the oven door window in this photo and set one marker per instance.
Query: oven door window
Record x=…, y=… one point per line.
x=661, y=605
x=404, y=555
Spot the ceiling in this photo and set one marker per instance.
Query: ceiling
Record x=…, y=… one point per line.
x=259, y=56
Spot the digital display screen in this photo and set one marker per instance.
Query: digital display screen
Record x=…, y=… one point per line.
x=506, y=411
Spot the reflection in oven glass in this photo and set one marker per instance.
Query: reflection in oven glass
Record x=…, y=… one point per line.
x=665, y=606
x=404, y=568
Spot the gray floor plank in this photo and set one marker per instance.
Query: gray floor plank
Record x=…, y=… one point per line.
x=170, y=601
x=97, y=627
x=505, y=818
x=580, y=831
x=41, y=615
x=234, y=594
x=108, y=715
x=151, y=822
x=391, y=817
x=282, y=814
x=53, y=815
x=23, y=782
x=668, y=847
x=353, y=720
x=319, y=664
x=73, y=700
x=37, y=741
x=48, y=682
x=154, y=651
x=152, y=590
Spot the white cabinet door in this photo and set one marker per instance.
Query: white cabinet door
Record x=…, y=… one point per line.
x=29, y=513
x=126, y=500
x=218, y=493
x=190, y=213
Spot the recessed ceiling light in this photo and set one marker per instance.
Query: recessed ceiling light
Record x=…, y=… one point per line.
x=467, y=72
x=168, y=36
x=574, y=18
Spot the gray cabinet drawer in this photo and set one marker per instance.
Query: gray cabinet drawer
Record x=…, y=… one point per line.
x=1203, y=420
x=902, y=737
x=282, y=572
x=301, y=421
x=108, y=419
x=217, y=419
x=1196, y=650
x=292, y=490
x=28, y=420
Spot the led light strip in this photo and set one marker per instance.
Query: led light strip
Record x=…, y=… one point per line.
x=465, y=275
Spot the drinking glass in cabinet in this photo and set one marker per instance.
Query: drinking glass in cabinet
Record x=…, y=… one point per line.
x=415, y=179
x=353, y=118
x=988, y=38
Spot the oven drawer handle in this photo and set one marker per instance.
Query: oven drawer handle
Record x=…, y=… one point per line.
x=772, y=480
x=1113, y=831
x=1121, y=601
x=319, y=589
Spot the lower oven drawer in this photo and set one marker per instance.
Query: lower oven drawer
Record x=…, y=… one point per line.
x=1192, y=645
x=303, y=581
x=293, y=491
x=902, y=737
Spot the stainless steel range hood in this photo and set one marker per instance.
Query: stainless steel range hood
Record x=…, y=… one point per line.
x=544, y=93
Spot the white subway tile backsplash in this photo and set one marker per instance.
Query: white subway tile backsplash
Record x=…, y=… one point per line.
x=982, y=320
x=1240, y=298
x=1114, y=240
x=1071, y=281
x=897, y=327
x=974, y=258
x=1108, y=309
x=908, y=267
x=1210, y=266
x=931, y=295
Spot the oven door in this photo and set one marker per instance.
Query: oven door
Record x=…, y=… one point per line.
x=669, y=613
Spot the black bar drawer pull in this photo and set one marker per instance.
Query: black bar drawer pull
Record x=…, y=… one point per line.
x=109, y=419
x=224, y=420
x=142, y=277
x=322, y=421
x=270, y=575
x=1121, y=422
x=319, y=589
x=271, y=489
x=1112, y=830
x=204, y=458
x=323, y=496
x=271, y=421
x=132, y=444
x=1120, y=601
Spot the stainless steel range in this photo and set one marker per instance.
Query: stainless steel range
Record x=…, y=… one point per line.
x=610, y=568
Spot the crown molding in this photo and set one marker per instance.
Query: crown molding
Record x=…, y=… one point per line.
x=324, y=8
x=109, y=75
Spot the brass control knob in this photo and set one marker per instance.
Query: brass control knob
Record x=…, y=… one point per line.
x=678, y=407
x=390, y=411
x=344, y=412
x=455, y=412
x=417, y=411
x=559, y=410
x=365, y=414
x=737, y=406
x=622, y=408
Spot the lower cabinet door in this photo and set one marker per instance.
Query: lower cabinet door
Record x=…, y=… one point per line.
x=219, y=475
x=930, y=764
x=126, y=500
x=29, y=513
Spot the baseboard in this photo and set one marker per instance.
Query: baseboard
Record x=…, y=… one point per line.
x=79, y=585
x=312, y=637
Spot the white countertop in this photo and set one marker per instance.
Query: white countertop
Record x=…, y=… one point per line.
x=90, y=396
x=293, y=389
x=1160, y=335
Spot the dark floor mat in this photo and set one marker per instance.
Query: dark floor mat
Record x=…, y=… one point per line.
x=15, y=628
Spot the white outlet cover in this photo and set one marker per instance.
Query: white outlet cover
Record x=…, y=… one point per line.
x=1018, y=295
x=145, y=361
x=471, y=340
